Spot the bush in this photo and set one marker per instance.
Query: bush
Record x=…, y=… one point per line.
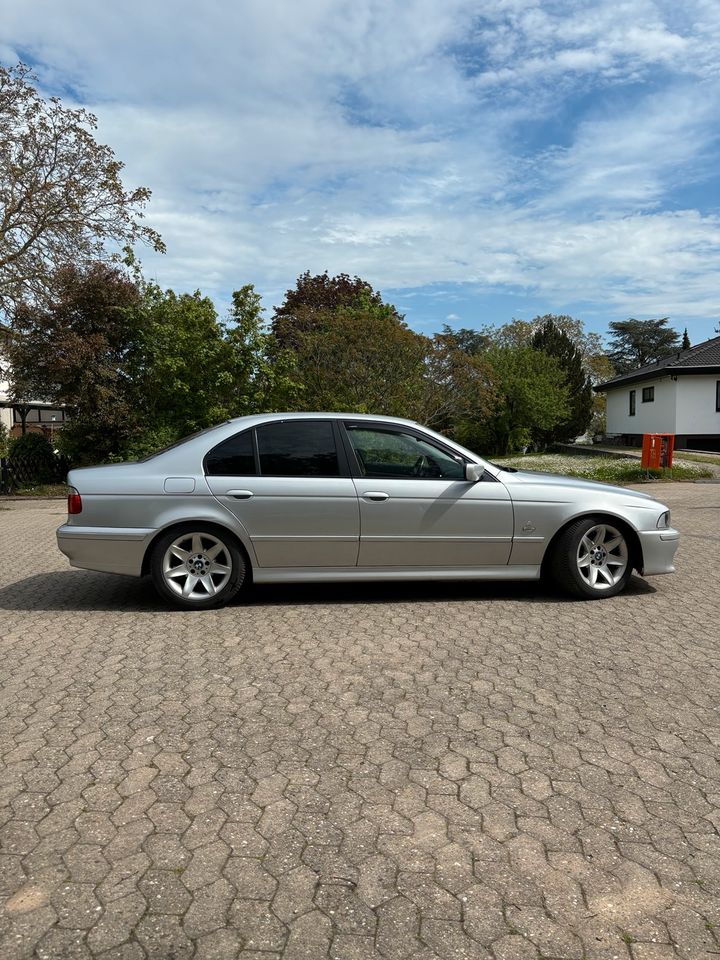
x=35, y=453
x=4, y=440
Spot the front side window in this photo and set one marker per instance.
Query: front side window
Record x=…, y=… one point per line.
x=298, y=448
x=632, y=403
x=648, y=394
x=717, y=395
x=394, y=453
x=233, y=457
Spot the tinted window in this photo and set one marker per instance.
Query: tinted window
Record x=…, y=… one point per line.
x=632, y=403
x=232, y=458
x=393, y=453
x=304, y=448
x=648, y=394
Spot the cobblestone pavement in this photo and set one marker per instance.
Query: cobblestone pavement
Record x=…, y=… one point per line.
x=435, y=771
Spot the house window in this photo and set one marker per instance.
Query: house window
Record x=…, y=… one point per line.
x=632, y=403
x=648, y=394
x=717, y=395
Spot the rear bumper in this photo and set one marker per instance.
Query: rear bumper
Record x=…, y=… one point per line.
x=107, y=549
x=658, y=550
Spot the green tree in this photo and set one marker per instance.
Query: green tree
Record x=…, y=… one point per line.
x=635, y=343
x=551, y=339
x=61, y=196
x=685, y=340
x=181, y=376
x=76, y=350
x=532, y=399
x=458, y=395
x=263, y=378
x=362, y=358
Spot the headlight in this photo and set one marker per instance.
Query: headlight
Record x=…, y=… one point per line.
x=663, y=521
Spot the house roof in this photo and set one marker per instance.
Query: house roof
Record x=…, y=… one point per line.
x=702, y=358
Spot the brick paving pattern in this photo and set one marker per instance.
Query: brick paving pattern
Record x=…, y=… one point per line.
x=485, y=772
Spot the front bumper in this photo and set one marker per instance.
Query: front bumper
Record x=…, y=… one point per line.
x=658, y=549
x=107, y=549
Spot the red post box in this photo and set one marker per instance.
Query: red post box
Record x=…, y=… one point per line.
x=657, y=450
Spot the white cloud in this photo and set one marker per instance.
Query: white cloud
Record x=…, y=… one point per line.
x=538, y=146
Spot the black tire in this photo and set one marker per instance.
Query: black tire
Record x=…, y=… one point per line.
x=205, y=569
x=587, y=573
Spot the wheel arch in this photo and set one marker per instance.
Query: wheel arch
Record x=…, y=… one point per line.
x=633, y=540
x=211, y=526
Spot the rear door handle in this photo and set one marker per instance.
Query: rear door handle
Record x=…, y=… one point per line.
x=240, y=494
x=376, y=495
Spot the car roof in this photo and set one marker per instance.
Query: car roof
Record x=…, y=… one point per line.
x=314, y=414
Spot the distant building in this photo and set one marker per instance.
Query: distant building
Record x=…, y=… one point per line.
x=26, y=416
x=680, y=394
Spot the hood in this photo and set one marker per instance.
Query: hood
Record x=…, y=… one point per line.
x=569, y=483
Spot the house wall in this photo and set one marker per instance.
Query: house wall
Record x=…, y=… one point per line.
x=696, y=397
x=659, y=416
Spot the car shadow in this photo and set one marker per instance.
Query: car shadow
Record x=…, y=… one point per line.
x=82, y=590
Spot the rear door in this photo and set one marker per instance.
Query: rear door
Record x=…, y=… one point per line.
x=288, y=483
x=416, y=507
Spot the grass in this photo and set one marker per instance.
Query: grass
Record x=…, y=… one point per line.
x=604, y=469
x=41, y=490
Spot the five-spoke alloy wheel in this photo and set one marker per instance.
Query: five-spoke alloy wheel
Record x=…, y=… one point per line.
x=197, y=568
x=592, y=559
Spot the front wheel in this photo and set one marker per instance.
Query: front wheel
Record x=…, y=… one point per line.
x=197, y=568
x=591, y=559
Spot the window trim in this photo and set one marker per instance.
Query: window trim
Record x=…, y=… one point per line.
x=650, y=394
x=344, y=470
x=398, y=428
x=632, y=403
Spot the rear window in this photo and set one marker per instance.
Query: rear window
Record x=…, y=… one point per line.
x=233, y=457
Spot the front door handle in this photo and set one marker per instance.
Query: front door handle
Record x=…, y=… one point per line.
x=240, y=494
x=376, y=495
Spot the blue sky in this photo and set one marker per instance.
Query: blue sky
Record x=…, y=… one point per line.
x=475, y=161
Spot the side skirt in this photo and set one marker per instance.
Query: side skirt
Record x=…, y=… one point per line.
x=346, y=574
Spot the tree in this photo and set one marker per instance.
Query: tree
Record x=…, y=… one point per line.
x=361, y=358
x=551, y=339
x=685, y=340
x=635, y=343
x=465, y=339
x=76, y=350
x=61, y=196
x=262, y=370
x=532, y=399
x=314, y=298
x=181, y=377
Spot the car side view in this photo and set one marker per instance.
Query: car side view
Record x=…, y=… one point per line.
x=340, y=497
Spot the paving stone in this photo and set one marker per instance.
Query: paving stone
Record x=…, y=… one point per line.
x=360, y=772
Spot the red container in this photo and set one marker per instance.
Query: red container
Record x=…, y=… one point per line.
x=657, y=450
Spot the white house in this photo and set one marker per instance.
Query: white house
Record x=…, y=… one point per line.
x=680, y=394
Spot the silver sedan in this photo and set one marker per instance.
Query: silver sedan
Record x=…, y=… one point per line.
x=329, y=497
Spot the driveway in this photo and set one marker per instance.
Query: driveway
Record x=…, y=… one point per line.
x=429, y=771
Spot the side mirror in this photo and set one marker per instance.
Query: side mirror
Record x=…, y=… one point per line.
x=474, y=472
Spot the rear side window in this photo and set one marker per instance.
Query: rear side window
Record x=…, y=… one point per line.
x=298, y=449
x=233, y=457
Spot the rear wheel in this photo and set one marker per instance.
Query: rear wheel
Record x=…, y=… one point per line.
x=197, y=567
x=591, y=559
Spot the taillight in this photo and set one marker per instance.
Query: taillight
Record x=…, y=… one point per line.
x=74, y=501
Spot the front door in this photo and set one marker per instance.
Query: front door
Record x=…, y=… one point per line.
x=418, y=510
x=283, y=481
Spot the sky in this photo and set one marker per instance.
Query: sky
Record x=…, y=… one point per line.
x=474, y=160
